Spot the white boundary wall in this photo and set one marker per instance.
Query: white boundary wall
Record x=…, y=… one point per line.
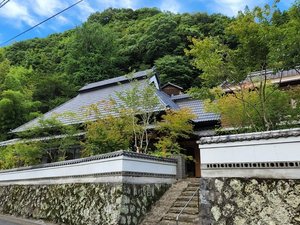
x=274, y=154
x=104, y=169
x=281, y=149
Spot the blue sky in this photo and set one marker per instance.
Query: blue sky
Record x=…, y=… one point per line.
x=18, y=15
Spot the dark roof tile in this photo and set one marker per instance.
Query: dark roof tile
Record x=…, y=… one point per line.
x=197, y=107
x=116, y=80
x=251, y=136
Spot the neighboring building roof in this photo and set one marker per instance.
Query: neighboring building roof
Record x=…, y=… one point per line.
x=197, y=107
x=271, y=75
x=251, y=136
x=282, y=77
x=171, y=84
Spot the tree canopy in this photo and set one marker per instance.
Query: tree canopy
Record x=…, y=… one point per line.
x=44, y=72
x=264, y=42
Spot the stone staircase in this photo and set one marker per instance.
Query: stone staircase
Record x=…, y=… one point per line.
x=169, y=206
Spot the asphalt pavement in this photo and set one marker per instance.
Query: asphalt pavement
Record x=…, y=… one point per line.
x=11, y=220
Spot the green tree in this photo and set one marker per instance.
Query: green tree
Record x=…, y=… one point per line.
x=285, y=43
x=230, y=67
x=52, y=91
x=141, y=103
x=55, y=139
x=93, y=54
x=177, y=70
x=15, y=109
x=107, y=134
x=174, y=125
x=242, y=110
x=20, y=154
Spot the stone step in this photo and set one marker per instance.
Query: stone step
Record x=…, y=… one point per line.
x=172, y=222
x=193, y=180
x=194, y=184
x=188, y=193
x=187, y=210
x=192, y=188
x=183, y=217
x=187, y=198
x=182, y=204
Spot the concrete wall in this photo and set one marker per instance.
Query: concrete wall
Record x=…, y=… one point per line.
x=239, y=201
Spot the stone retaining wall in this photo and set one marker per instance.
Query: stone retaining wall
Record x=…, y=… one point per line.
x=239, y=201
x=81, y=204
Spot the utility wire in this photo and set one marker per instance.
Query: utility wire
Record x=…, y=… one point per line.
x=31, y=28
x=3, y=3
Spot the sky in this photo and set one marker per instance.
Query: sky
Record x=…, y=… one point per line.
x=18, y=15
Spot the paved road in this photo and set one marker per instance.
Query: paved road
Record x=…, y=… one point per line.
x=3, y=222
x=10, y=220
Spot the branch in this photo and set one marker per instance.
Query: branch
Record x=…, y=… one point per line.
x=249, y=103
x=281, y=75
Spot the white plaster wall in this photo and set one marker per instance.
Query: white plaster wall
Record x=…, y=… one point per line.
x=148, y=166
x=110, y=165
x=271, y=150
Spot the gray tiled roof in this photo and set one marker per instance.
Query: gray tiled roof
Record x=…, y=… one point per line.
x=19, y=140
x=77, y=110
x=115, y=80
x=167, y=100
x=182, y=96
x=251, y=136
x=197, y=107
x=271, y=75
x=9, y=142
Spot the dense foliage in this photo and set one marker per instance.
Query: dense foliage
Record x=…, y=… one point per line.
x=38, y=74
x=267, y=39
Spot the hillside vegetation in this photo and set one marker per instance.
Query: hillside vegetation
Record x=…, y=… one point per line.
x=38, y=74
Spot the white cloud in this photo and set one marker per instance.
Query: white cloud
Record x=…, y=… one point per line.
x=46, y=8
x=30, y=12
x=127, y=4
x=170, y=5
x=117, y=3
x=232, y=7
x=18, y=14
x=85, y=9
x=62, y=19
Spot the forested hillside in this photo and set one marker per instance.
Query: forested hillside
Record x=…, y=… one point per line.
x=38, y=74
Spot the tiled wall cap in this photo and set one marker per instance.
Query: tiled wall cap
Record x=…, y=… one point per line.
x=129, y=154
x=251, y=136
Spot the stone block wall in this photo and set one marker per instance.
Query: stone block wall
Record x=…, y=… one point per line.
x=81, y=204
x=241, y=201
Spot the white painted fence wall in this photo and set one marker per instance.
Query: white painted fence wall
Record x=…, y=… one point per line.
x=105, y=169
x=274, y=154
